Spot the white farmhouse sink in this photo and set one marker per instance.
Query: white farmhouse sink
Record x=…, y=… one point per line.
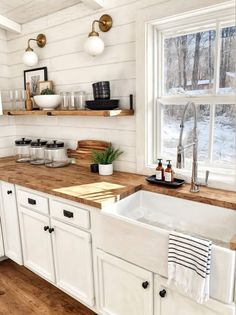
x=203, y=220
x=139, y=225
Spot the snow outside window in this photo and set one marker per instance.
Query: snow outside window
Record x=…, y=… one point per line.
x=196, y=62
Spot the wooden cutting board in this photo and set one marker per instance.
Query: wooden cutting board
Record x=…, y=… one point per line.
x=83, y=153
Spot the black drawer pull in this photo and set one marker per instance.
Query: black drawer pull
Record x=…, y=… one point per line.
x=68, y=214
x=51, y=230
x=46, y=228
x=31, y=201
x=9, y=192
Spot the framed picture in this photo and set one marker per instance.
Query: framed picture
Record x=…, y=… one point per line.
x=42, y=85
x=33, y=76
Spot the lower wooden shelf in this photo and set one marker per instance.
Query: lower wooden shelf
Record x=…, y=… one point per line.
x=82, y=112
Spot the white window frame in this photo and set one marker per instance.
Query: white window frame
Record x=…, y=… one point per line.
x=149, y=27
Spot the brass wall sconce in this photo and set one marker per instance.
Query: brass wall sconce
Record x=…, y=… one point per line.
x=30, y=58
x=94, y=45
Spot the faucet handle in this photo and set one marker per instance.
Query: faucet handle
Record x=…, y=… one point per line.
x=206, y=178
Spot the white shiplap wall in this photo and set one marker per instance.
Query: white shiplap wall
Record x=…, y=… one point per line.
x=7, y=128
x=70, y=68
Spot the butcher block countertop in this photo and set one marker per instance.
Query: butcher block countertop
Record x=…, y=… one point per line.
x=78, y=184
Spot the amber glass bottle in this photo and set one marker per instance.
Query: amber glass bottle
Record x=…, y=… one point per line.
x=169, y=174
x=160, y=170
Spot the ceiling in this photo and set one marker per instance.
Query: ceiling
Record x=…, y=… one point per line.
x=23, y=11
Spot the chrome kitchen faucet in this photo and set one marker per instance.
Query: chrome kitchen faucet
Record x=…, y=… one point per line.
x=180, y=149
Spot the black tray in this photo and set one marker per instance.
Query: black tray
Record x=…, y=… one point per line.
x=177, y=182
x=102, y=104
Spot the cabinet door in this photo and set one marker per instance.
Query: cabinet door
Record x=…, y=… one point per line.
x=73, y=261
x=1, y=242
x=10, y=223
x=124, y=289
x=169, y=301
x=36, y=243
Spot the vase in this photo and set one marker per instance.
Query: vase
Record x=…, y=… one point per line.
x=105, y=169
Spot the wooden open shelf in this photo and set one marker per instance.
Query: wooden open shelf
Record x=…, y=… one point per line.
x=82, y=112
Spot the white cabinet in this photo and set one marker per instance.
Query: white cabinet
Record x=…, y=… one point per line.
x=170, y=301
x=10, y=223
x=73, y=261
x=124, y=289
x=57, y=251
x=36, y=243
x=1, y=242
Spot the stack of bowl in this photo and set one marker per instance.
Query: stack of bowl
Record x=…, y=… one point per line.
x=102, y=101
x=101, y=90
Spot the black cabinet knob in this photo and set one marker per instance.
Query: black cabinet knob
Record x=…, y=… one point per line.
x=145, y=284
x=162, y=293
x=9, y=192
x=50, y=230
x=46, y=228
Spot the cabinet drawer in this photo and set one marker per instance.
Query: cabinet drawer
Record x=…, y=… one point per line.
x=33, y=201
x=70, y=214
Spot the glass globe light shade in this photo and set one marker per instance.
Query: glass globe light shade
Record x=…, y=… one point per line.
x=94, y=45
x=30, y=58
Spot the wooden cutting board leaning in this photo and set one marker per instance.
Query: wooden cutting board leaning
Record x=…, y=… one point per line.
x=83, y=153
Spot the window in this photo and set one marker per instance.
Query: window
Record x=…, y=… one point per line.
x=193, y=59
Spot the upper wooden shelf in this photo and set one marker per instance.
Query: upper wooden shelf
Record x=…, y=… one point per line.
x=82, y=112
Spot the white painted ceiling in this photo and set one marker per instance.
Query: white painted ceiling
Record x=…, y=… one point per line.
x=23, y=11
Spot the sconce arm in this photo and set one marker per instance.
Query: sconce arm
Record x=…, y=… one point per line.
x=28, y=47
x=105, y=24
x=40, y=39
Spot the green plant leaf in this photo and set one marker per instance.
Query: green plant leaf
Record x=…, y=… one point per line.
x=47, y=91
x=108, y=156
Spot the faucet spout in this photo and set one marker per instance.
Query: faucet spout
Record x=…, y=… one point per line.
x=194, y=144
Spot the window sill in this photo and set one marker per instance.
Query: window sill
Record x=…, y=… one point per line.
x=217, y=181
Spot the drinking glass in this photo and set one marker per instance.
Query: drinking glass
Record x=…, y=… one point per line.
x=22, y=99
x=12, y=100
x=80, y=98
x=72, y=104
x=16, y=96
x=6, y=102
x=65, y=100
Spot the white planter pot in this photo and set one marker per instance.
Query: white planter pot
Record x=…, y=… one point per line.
x=105, y=169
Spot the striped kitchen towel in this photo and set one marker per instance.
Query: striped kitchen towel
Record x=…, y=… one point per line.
x=189, y=263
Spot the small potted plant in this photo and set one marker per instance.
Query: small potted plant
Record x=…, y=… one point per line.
x=105, y=159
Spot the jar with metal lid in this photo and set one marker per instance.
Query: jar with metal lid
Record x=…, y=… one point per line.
x=37, y=152
x=55, y=154
x=22, y=150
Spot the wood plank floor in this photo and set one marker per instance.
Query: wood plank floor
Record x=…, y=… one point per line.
x=24, y=293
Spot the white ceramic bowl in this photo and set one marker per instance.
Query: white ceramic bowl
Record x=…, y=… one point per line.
x=48, y=102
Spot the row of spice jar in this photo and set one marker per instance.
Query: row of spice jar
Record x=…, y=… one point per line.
x=39, y=152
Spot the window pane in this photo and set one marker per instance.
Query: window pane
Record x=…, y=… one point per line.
x=172, y=115
x=225, y=134
x=189, y=63
x=228, y=59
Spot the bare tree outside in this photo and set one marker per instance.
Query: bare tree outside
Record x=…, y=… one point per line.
x=189, y=69
x=189, y=62
x=228, y=56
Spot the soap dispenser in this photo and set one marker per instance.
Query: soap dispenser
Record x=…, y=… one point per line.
x=160, y=170
x=169, y=174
